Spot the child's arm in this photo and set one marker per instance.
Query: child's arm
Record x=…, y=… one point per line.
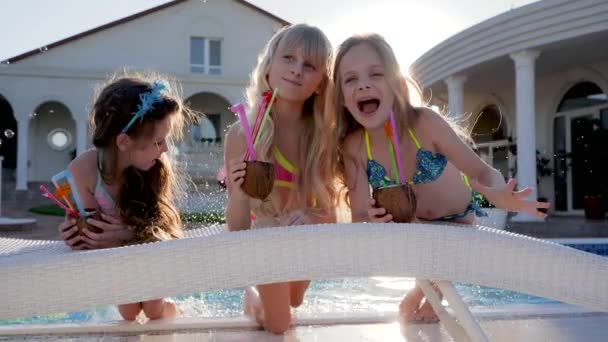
x=238, y=207
x=484, y=178
x=361, y=204
x=84, y=172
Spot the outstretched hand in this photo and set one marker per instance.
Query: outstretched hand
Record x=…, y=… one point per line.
x=505, y=197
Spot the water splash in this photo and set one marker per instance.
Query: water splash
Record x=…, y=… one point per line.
x=9, y=133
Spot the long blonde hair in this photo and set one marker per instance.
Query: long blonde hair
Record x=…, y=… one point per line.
x=313, y=185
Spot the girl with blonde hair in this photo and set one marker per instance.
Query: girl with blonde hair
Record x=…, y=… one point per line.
x=295, y=62
x=447, y=178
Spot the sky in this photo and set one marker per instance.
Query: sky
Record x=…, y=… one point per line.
x=412, y=27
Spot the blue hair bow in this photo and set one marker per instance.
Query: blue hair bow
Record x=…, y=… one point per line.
x=147, y=101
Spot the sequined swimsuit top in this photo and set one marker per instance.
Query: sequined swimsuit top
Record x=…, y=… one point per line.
x=429, y=166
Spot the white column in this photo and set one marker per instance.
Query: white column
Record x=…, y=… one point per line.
x=22, y=152
x=525, y=122
x=82, y=133
x=455, y=84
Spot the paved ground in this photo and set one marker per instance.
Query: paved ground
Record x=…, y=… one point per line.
x=18, y=203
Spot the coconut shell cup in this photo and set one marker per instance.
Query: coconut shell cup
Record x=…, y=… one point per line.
x=81, y=223
x=259, y=179
x=398, y=200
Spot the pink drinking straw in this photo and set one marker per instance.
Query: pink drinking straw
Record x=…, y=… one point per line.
x=397, y=148
x=239, y=109
x=258, y=118
x=46, y=193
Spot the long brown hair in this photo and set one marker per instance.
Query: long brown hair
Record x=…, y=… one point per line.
x=146, y=199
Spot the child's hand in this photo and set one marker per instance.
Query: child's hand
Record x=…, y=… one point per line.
x=115, y=233
x=235, y=178
x=378, y=214
x=506, y=198
x=295, y=218
x=69, y=233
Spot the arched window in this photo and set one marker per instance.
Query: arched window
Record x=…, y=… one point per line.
x=215, y=117
x=205, y=131
x=583, y=94
x=489, y=125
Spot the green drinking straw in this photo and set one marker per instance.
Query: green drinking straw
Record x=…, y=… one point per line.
x=394, y=160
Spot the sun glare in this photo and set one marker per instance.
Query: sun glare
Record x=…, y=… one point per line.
x=410, y=29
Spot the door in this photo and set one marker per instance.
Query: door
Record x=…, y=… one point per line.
x=578, y=162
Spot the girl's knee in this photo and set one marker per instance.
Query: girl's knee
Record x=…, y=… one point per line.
x=153, y=309
x=159, y=308
x=129, y=312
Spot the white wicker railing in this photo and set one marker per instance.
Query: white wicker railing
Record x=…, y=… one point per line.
x=41, y=277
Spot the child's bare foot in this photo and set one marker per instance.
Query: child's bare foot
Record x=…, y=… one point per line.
x=426, y=313
x=409, y=307
x=252, y=304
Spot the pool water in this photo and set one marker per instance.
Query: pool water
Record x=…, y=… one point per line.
x=336, y=296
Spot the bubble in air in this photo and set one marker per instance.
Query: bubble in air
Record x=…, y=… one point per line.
x=44, y=48
x=0, y=142
x=9, y=133
x=32, y=115
x=5, y=63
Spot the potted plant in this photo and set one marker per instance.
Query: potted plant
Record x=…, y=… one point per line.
x=542, y=170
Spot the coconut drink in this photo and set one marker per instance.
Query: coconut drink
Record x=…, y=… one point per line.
x=259, y=175
x=259, y=179
x=399, y=200
x=81, y=222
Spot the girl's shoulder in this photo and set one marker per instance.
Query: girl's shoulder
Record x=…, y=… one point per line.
x=428, y=123
x=234, y=134
x=234, y=142
x=84, y=167
x=434, y=129
x=426, y=118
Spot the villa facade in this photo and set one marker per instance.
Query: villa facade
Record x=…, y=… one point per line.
x=45, y=94
x=532, y=84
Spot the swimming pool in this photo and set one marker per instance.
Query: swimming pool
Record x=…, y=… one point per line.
x=336, y=296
